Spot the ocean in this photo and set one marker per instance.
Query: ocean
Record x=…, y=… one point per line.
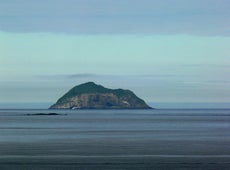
x=163, y=139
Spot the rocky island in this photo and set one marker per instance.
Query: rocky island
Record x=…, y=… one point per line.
x=92, y=96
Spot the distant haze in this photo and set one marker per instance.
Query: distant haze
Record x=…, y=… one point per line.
x=164, y=51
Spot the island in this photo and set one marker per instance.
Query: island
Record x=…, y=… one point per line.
x=92, y=96
x=44, y=114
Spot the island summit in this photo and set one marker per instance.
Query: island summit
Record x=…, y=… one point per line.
x=92, y=96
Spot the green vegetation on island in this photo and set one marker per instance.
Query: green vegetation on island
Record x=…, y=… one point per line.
x=92, y=96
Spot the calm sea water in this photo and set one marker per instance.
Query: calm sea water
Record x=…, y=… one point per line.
x=115, y=139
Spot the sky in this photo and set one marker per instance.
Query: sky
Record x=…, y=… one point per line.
x=163, y=50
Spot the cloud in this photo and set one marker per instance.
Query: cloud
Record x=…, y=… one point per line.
x=66, y=76
x=83, y=75
x=152, y=87
x=206, y=65
x=90, y=75
x=207, y=17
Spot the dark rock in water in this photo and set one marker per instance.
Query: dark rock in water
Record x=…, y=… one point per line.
x=43, y=114
x=92, y=96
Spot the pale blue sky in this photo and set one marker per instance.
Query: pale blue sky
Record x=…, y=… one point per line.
x=165, y=51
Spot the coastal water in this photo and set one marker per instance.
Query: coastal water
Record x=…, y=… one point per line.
x=115, y=139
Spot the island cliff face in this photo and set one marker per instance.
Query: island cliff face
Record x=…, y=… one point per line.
x=92, y=96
